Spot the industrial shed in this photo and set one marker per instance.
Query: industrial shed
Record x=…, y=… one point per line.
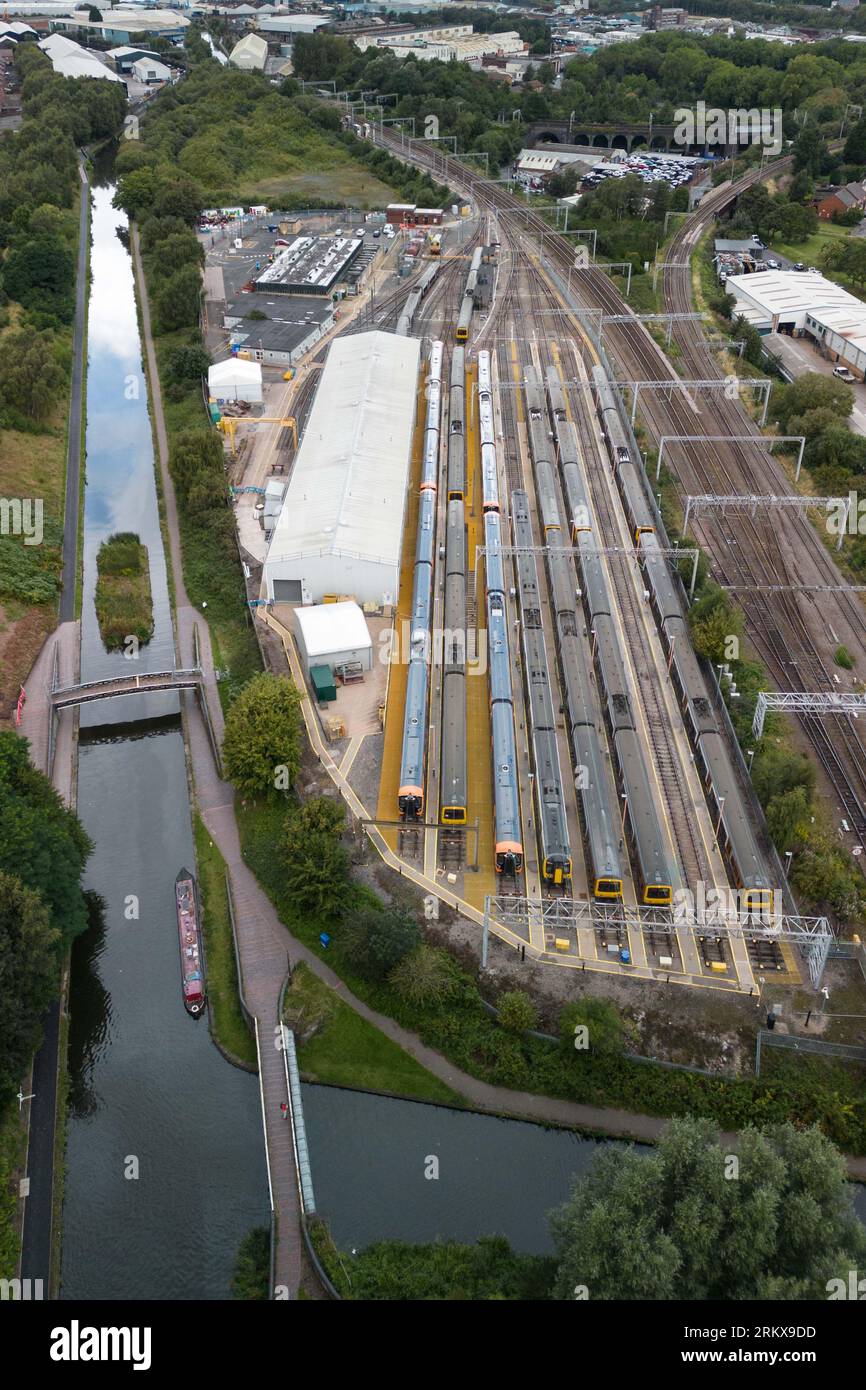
x=341, y=527
x=235, y=380
x=249, y=53
x=332, y=634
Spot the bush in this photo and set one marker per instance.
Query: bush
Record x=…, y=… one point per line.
x=262, y=742
x=426, y=978
x=316, y=866
x=517, y=1012
x=605, y=1029
x=843, y=658
x=375, y=941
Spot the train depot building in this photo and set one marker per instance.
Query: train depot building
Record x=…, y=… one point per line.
x=310, y=265
x=340, y=531
x=804, y=304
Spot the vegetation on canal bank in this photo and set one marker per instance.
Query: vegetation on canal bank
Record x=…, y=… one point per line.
x=227, y=1022
x=252, y=1271
x=39, y=205
x=656, y=1225
x=43, y=850
x=124, y=604
x=336, y=1045
x=449, y=1013
x=438, y=1271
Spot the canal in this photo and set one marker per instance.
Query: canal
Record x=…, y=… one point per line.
x=371, y=1156
x=165, y=1159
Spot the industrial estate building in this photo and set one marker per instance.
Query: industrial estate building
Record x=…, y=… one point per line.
x=249, y=53
x=340, y=530
x=291, y=326
x=69, y=59
x=332, y=635
x=310, y=265
x=797, y=302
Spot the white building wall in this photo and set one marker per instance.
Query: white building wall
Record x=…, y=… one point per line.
x=363, y=580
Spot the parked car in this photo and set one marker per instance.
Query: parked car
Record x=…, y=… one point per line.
x=844, y=374
x=772, y=265
x=798, y=266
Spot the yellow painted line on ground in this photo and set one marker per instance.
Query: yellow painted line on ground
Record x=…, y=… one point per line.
x=392, y=751
x=479, y=752
x=351, y=754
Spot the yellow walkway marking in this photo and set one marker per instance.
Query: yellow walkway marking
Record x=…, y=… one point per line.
x=389, y=781
x=479, y=753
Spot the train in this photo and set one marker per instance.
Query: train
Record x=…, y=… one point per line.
x=735, y=834
x=507, y=841
x=410, y=308
x=654, y=871
x=453, y=783
x=467, y=303
x=552, y=823
x=597, y=797
x=410, y=795
x=456, y=474
x=486, y=428
x=507, y=837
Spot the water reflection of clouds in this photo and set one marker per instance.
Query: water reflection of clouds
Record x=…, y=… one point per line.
x=112, y=326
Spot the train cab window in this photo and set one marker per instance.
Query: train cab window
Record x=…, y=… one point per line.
x=658, y=894
x=608, y=888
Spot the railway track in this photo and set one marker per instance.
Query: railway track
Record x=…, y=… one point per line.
x=784, y=628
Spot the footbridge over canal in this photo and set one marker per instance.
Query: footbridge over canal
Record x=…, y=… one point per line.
x=61, y=697
x=66, y=696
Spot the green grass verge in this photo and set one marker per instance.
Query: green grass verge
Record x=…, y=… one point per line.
x=346, y=1050
x=226, y=1019
x=13, y=1159
x=464, y=1032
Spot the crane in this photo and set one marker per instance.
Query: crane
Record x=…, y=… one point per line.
x=229, y=423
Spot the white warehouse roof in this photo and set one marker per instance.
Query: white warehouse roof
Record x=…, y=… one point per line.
x=332, y=627
x=348, y=487
x=249, y=52
x=789, y=294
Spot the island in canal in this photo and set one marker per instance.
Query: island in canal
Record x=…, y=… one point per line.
x=124, y=606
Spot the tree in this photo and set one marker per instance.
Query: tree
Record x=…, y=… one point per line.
x=42, y=842
x=517, y=1013
x=605, y=1028
x=788, y=817
x=40, y=274
x=30, y=377
x=855, y=145
x=315, y=864
x=375, y=940
x=29, y=973
x=675, y=1225
x=716, y=625
x=178, y=300
x=188, y=363
x=810, y=151
x=811, y=391
x=250, y=1279
x=426, y=978
x=262, y=741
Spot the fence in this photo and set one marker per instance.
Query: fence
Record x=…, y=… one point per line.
x=785, y=1042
